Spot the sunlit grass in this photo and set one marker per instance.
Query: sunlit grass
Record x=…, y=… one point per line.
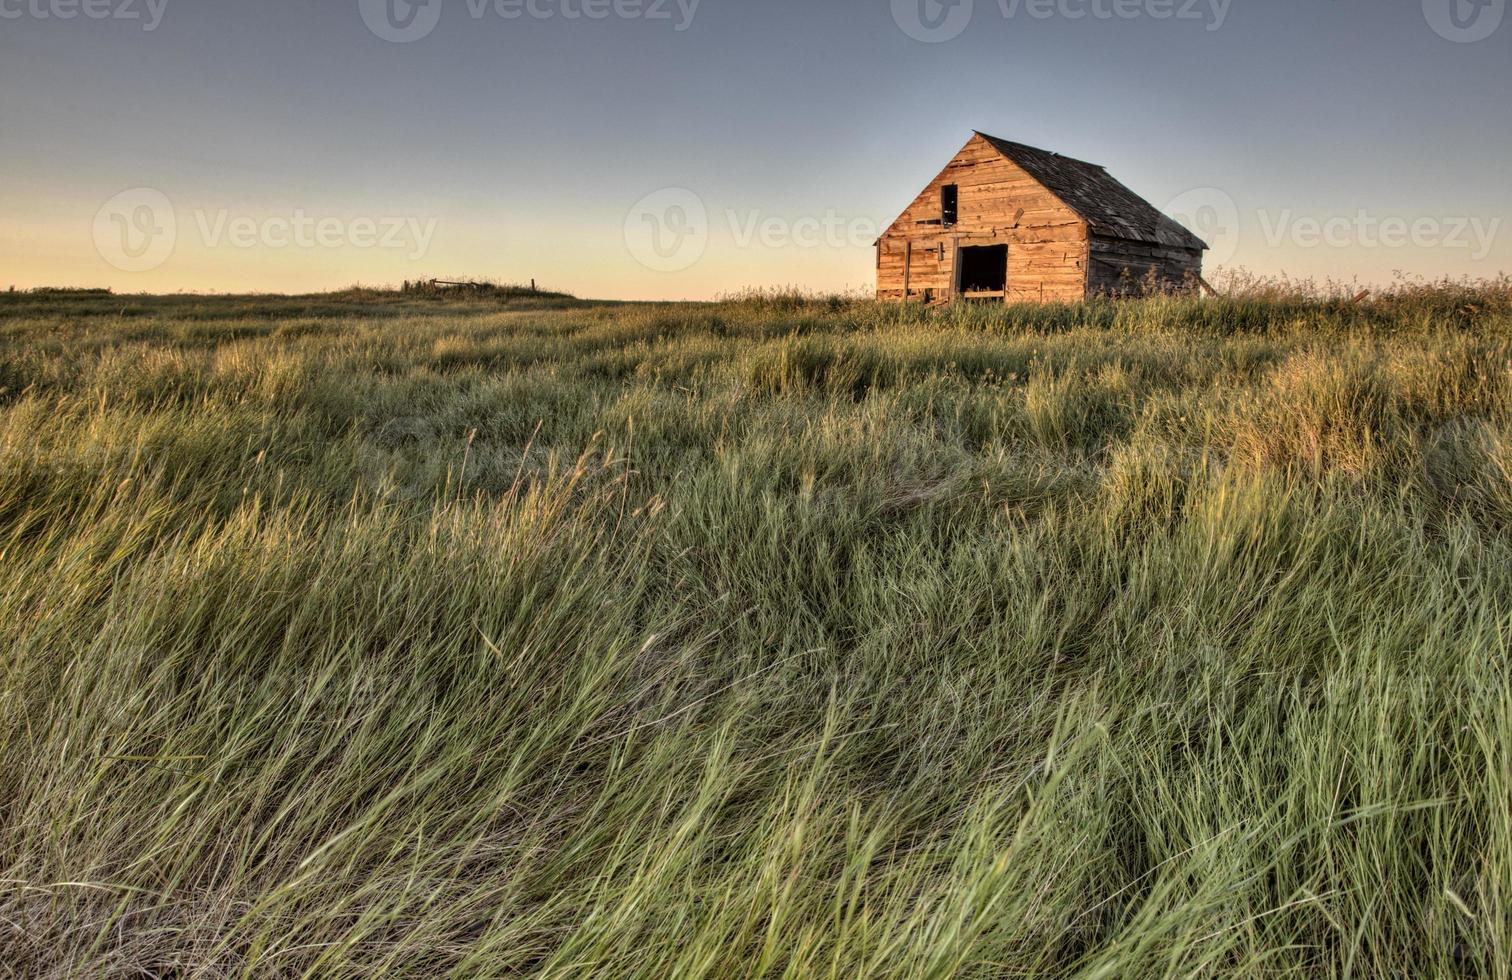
x=774, y=637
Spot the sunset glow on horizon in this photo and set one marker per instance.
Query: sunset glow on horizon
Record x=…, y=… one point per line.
x=687, y=149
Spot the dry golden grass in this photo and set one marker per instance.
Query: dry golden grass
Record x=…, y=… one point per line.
x=353, y=636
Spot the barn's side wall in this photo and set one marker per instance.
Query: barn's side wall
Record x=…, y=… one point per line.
x=1120, y=267
x=1000, y=204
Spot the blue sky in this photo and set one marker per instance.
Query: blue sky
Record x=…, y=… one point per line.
x=687, y=148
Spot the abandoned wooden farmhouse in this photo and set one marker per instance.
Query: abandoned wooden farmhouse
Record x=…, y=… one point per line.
x=1006, y=222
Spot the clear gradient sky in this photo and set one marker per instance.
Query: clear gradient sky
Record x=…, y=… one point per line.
x=292, y=145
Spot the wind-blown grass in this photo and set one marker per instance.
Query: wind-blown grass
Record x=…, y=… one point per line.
x=760, y=638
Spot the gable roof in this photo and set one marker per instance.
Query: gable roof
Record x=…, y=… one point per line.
x=1108, y=207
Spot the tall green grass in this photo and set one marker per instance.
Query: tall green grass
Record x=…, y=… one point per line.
x=772, y=637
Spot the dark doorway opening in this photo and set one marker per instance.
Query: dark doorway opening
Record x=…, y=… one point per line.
x=984, y=269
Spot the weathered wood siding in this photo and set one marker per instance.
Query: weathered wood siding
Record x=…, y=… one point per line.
x=1121, y=267
x=999, y=204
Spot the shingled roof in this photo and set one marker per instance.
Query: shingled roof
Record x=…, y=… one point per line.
x=1108, y=207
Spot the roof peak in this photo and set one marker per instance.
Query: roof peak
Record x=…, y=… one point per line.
x=1000, y=143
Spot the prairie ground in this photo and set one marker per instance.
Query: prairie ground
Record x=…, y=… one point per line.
x=363, y=636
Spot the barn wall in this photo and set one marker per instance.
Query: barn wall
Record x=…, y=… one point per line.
x=1046, y=272
x=999, y=204
x=1119, y=266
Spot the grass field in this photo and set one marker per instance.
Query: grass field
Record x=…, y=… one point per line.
x=370, y=636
